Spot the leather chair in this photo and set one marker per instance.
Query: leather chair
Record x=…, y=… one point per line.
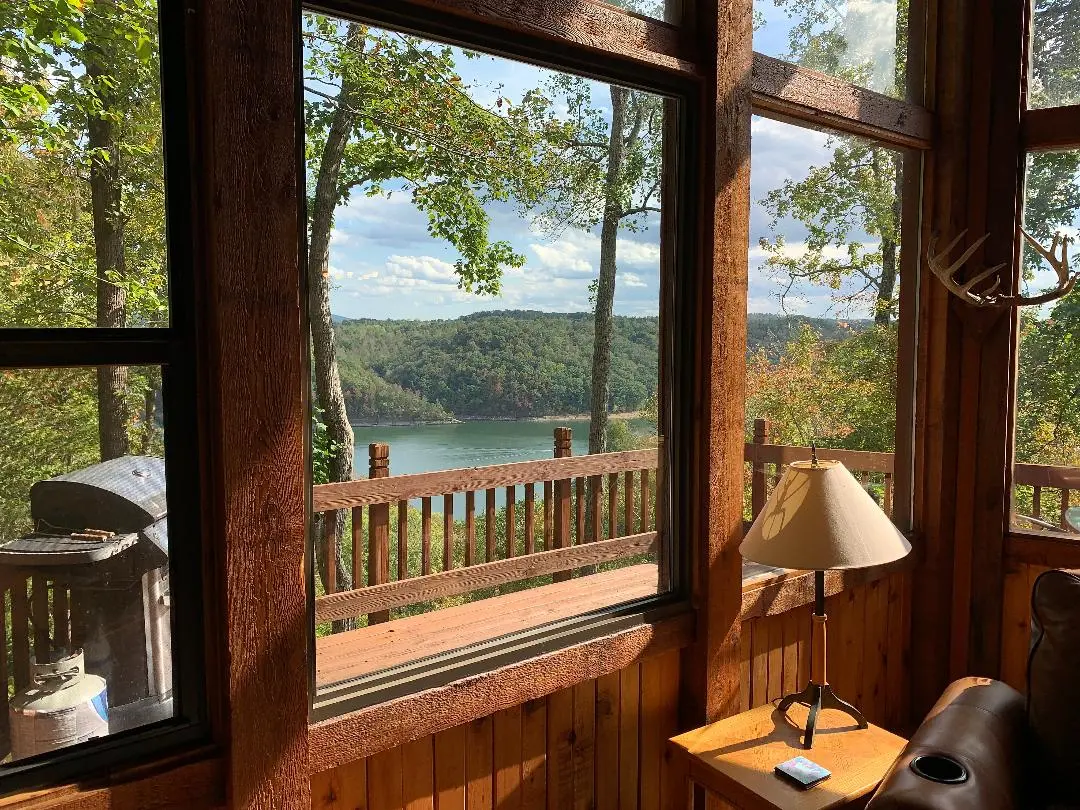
x=984, y=746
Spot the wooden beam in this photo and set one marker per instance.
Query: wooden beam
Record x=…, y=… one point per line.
x=247, y=141
x=378, y=728
x=596, y=26
x=792, y=93
x=714, y=386
x=465, y=580
x=1052, y=128
x=1044, y=550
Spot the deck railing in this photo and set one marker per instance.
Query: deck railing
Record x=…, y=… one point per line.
x=595, y=509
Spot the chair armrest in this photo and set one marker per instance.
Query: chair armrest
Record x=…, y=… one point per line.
x=978, y=722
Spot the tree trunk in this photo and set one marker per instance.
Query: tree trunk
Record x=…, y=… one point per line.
x=889, y=252
x=328, y=394
x=109, y=259
x=605, y=288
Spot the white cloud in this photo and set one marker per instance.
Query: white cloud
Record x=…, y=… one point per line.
x=577, y=253
x=338, y=274
x=563, y=255
x=421, y=268
x=338, y=237
x=632, y=280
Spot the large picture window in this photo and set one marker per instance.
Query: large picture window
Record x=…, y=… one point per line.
x=490, y=271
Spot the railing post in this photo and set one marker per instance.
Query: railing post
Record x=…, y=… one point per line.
x=758, y=479
x=378, y=527
x=563, y=449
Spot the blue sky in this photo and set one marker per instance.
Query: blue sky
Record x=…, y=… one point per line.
x=384, y=264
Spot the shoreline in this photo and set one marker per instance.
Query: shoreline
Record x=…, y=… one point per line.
x=583, y=417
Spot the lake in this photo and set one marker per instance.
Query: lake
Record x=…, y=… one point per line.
x=423, y=448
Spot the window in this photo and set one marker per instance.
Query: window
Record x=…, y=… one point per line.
x=98, y=502
x=1047, y=455
x=863, y=42
x=1054, y=54
x=823, y=305
x=489, y=299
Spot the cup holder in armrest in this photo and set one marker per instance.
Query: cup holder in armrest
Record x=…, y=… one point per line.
x=939, y=768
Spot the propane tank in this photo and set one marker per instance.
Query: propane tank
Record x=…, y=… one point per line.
x=62, y=706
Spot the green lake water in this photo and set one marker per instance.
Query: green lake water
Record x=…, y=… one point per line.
x=423, y=448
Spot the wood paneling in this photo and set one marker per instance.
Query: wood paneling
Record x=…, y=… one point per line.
x=600, y=743
x=866, y=656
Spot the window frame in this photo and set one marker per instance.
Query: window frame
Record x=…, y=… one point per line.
x=676, y=309
x=175, y=349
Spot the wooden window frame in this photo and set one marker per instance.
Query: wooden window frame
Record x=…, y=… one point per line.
x=382, y=690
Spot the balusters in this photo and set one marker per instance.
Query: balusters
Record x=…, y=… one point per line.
x=489, y=527
x=1064, y=508
x=530, y=509
x=579, y=528
x=470, y=526
x=596, y=514
x=425, y=536
x=645, y=498
x=403, y=540
x=1036, y=502
x=549, y=515
x=628, y=502
x=563, y=449
x=448, y=532
x=357, y=548
x=511, y=524
x=887, y=505
x=612, y=504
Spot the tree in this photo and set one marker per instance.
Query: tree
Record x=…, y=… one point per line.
x=858, y=194
x=613, y=176
x=80, y=98
x=387, y=112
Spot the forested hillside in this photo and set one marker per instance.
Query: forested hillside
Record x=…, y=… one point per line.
x=512, y=364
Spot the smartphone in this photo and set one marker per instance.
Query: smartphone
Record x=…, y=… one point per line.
x=802, y=773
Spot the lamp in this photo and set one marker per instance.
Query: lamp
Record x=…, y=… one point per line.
x=819, y=517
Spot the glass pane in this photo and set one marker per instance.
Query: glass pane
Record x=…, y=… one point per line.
x=824, y=283
x=670, y=11
x=475, y=240
x=1055, y=54
x=860, y=41
x=84, y=556
x=82, y=199
x=1047, y=471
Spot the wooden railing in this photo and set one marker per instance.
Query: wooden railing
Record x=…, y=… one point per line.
x=594, y=509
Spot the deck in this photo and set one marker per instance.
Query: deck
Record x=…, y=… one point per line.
x=355, y=653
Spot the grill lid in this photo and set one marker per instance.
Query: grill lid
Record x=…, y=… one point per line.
x=122, y=495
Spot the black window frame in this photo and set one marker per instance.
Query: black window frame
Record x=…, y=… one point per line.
x=678, y=316
x=175, y=349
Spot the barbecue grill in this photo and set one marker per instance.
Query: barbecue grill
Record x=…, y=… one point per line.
x=101, y=539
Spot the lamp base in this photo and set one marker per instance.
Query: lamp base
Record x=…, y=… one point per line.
x=818, y=696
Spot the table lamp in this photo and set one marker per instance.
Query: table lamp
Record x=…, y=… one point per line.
x=819, y=517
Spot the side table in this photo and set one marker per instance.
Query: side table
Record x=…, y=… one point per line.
x=734, y=759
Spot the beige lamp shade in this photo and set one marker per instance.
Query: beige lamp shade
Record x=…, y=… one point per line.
x=820, y=517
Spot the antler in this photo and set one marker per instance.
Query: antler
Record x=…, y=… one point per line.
x=990, y=297
x=986, y=298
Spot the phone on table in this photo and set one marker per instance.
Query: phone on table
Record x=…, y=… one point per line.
x=802, y=773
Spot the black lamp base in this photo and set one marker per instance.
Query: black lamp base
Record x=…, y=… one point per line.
x=816, y=697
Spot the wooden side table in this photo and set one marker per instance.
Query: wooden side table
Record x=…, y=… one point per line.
x=734, y=758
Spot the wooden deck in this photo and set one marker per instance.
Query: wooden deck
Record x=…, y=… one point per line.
x=348, y=655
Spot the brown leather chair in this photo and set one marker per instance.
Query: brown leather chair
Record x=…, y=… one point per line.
x=983, y=747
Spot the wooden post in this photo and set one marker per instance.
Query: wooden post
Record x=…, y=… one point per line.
x=378, y=527
x=758, y=480
x=563, y=449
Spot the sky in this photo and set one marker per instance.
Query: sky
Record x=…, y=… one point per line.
x=384, y=264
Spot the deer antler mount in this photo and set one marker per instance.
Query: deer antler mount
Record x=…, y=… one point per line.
x=990, y=297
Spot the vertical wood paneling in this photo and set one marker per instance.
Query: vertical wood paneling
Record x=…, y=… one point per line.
x=534, y=755
x=652, y=672
x=584, y=742
x=418, y=774
x=607, y=741
x=560, y=749
x=508, y=758
x=1015, y=626
x=629, y=735
x=776, y=658
x=384, y=780
x=479, y=763
x=450, y=769
x=343, y=788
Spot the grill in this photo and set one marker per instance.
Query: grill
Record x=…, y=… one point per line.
x=101, y=539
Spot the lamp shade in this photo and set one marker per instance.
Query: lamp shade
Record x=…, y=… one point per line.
x=820, y=517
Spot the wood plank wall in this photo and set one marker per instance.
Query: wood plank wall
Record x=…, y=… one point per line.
x=1016, y=621
x=867, y=651
x=601, y=744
